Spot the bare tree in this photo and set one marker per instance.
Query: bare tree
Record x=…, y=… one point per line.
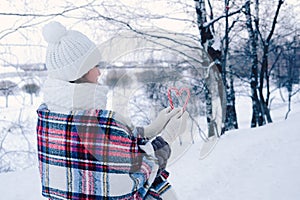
x=8, y=88
x=261, y=112
x=264, y=73
x=257, y=117
x=218, y=56
x=288, y=71
x=31, y=88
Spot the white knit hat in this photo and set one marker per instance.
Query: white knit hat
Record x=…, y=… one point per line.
x=70, y=54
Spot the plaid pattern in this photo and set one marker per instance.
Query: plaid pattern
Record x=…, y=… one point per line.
x=89, y=155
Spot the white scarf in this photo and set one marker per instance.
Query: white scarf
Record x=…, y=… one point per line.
x=63, y=97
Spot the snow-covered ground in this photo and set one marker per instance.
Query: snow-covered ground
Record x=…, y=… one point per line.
x=261, y=163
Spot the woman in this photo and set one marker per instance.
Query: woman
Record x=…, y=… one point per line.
x=86, y=151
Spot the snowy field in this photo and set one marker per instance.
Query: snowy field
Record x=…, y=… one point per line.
x=249, y=164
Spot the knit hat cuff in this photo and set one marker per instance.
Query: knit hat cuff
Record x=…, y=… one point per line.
x=77, y=69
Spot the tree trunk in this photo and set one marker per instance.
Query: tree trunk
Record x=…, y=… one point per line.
x=289, y=85
x=232, y=109
x=289, y=104
x=230, y=119
x=264, y=74
x=214, y=94
x=257, y=117
x=6, y=100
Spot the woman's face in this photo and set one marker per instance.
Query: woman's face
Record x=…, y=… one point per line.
x=92, y=75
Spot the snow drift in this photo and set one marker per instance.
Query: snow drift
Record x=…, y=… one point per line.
x=261, y=163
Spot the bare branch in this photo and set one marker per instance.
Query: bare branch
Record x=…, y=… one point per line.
x=44, y=15
x=210, y=23
x=280, y=2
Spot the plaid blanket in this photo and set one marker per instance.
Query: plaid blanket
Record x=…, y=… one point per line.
x=89, y=155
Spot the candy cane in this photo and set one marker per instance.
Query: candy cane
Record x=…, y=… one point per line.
x=179, y=93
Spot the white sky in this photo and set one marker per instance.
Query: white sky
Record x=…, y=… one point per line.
x=35, y=54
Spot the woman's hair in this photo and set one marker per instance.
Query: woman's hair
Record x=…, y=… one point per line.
x=80, y=80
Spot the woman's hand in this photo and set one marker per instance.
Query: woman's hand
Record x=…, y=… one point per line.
x=175, y=127
x=160, y=122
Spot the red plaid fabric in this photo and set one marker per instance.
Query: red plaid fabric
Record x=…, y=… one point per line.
x=87, y=155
